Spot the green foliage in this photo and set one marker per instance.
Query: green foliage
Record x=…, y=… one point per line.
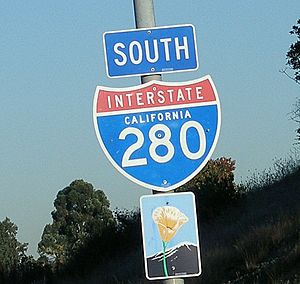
x=129, y=228
x=214, y=187
x=11, y=250
x=116, y=241
x=32, y=270
x=293, y=55
x=80, y=214
x=15, y=266
x=295, y=116
x=293, y=60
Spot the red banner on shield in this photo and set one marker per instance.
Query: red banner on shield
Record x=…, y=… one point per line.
x=156, y=94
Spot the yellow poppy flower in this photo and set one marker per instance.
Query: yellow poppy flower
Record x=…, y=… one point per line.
x=169, y=220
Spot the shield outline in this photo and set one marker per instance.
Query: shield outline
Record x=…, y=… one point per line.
x=162, y=83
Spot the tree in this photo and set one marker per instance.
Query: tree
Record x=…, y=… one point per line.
x=214, y=187
x=293, y=60
x=129, y=229
x=295, y=116
x=293, y=55
x=80, y=214
x=11, y=250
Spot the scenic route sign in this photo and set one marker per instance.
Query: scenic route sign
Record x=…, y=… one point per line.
x=170, y=235
x=144, y=51
x=158, y=134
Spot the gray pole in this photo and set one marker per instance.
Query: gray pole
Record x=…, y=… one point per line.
x=144, y=18
x=174, y=281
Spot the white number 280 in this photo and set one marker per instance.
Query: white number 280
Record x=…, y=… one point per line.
x=157, y=139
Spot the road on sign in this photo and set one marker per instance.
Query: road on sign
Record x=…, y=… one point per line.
x=158, y=134
x=148, y=51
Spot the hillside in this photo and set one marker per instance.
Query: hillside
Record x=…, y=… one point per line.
x=255, y=242
x=258, y=242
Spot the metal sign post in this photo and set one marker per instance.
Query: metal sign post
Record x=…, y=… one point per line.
x=146, y=131
x=144, y=18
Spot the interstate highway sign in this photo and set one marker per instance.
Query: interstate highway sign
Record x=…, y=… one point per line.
x=150, y=50
x=158, y=134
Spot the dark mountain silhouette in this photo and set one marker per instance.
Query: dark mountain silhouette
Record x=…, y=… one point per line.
x=181, y=260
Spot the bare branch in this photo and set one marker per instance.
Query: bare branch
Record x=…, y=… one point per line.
x=283, y=71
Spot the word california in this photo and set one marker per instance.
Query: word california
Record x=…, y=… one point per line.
x=160, y=116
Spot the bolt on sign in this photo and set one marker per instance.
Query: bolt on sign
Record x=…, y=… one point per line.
x=158, y=134
x=170, y=236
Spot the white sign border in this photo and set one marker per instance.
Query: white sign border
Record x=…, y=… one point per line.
x=123, y=172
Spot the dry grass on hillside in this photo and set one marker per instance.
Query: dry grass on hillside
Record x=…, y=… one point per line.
x=255, y=242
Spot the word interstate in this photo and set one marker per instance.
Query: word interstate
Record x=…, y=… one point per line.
x=153, y=97
x=148, y=98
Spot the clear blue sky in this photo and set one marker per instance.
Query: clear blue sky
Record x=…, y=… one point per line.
x=51, y=59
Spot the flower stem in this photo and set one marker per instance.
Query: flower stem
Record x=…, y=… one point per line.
x=164, y=258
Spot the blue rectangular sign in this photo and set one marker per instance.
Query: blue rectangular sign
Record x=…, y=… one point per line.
x=170, y=235
x=150, y=51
